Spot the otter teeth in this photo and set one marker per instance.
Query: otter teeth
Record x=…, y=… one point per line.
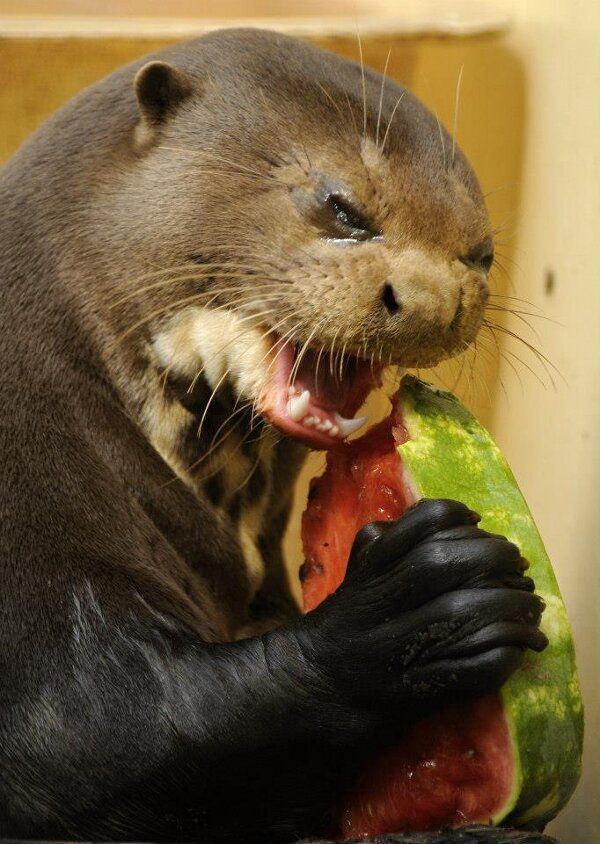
x=297, y=408
x=298, y=405
x=349, y=426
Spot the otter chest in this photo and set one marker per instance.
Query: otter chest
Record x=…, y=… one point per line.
x=241, y=487
x=236, y=474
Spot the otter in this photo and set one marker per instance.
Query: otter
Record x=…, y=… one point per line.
x=207, y=260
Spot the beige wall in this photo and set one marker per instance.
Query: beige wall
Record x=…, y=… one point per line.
x=552, y=438
x=529, y=119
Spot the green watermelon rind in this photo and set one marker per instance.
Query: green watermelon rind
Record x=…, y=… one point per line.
x=450, y=455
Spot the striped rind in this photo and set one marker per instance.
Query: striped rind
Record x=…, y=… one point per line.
x=450, y=455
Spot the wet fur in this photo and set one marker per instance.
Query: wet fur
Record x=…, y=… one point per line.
x=131, y=705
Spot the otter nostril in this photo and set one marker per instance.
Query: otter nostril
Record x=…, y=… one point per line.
x=388, y=297
x=481, y=257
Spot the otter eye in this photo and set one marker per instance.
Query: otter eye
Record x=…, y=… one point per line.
x=350, y=222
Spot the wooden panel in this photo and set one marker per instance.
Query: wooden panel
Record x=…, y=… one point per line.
x=183, y=18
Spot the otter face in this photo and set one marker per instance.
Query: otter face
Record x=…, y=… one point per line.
x=333, y=227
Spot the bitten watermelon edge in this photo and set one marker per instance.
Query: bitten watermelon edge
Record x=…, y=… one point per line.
x=450, y=455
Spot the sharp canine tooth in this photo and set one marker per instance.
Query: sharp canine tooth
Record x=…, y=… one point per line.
x=349, y=426
x=298, y=406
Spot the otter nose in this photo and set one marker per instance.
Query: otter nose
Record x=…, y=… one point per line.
x=390, y=299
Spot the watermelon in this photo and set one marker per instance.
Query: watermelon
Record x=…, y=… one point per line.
x=512, y=756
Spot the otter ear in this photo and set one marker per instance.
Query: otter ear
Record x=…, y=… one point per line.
x=159, y=89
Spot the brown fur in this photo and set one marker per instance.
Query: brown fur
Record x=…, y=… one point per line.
x=124, y=219
x=103, y=227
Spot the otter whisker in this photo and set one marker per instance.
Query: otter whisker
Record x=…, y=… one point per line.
x=330, y=98
x=506, y=356
x=232, y=340
x=303, y=351
x=178, y=304
x=300, y=164
x=530, y=369
x=502, y=356
x=504, y=257
x=514, y=299
x=301, y=354
x=215, y=443
x=209, y=402
x=456, y=105
x=479, y=346
x=236, y=176
x=460, y=373
x=321, y=350
x=512, y=219
x=353, y=116
x=282, y=341
x=484, y=383
x=520, y=315
x=441, y=134
x=210, y=292
x=544, y=361
x=391, y=120
x=172, y=306
x=541, y=357
x=253, y=468
x=500, y=188
x=219, y=466
x=335, y=336
x=341, y=369
x=381, y=93
x=307, y=156
x=499, y=266
x=364, y=86
x=230, y=162
x=194, y=269
x=363, y=346
x=265, y=255
x=221, y=349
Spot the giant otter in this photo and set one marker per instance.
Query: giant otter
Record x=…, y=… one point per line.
x=206, y=260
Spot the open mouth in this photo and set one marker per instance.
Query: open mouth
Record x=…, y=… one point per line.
x=313, y=399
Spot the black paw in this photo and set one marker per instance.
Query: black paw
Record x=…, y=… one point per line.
x=431, y=606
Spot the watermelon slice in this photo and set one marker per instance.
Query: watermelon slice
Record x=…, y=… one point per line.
x=513, y=756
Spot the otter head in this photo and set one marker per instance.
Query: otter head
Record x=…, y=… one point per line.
x=312, y=224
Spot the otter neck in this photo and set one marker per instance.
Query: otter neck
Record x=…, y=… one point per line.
x=220, y=449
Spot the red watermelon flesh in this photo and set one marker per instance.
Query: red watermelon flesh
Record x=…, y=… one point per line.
x=453, y=768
